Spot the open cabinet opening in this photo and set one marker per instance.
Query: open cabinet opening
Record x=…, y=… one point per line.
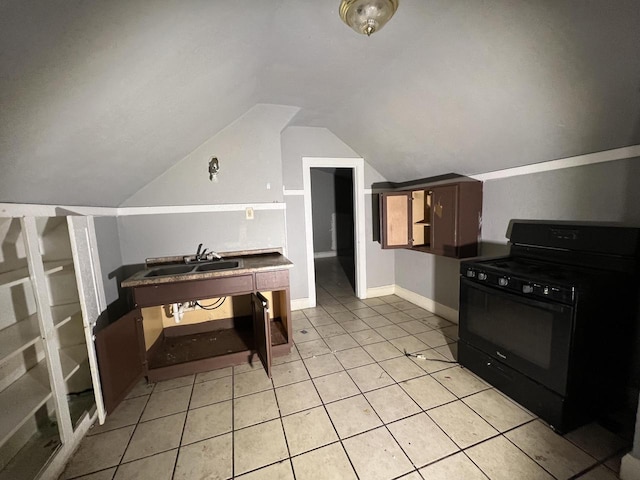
x=198, y=335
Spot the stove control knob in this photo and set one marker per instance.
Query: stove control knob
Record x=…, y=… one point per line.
x=482, y=276
x=503, y=281
x=527, y=289
x=471, y=273
x=545, y=290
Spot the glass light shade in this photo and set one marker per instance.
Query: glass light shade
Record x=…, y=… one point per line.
x=367, y=16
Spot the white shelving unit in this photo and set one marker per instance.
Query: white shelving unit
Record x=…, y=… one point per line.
x=27, y=410
x=49, y=383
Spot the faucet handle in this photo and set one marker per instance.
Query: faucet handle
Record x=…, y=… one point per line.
x=198, y=251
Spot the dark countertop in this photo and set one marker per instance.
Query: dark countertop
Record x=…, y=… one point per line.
x=252, y=261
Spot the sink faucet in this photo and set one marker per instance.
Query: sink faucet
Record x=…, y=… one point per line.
x=198, y=254
x=203, y=255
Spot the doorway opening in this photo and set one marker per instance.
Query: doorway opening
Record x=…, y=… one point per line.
x=333, y=227
x=334, y=221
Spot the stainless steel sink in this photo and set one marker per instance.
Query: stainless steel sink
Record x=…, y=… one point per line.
x=173, y=270
x=219, y=265
x=197, y=268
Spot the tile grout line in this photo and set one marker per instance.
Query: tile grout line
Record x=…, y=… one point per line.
x=146, y=404
x=284, y=432
x=184, y=424
x=233, y=423
x=385, y=425
x=324, y=406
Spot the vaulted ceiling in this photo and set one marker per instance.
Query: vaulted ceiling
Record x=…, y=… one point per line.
x=99, y=98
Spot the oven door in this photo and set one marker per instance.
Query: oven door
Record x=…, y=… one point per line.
x=530, y=336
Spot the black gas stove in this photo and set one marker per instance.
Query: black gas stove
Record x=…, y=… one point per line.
x=532, y=322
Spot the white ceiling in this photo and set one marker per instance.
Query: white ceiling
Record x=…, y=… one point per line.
x=99, y=98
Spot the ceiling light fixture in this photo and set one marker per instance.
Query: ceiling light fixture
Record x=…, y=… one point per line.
x=367, y=16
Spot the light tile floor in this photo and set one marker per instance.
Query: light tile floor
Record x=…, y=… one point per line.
x=345, y=404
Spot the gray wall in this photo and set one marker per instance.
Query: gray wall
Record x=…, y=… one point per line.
x=605, y=192
x=250, y=172
x=323, y=202
x=298, y=142
x=297, y=246
x=143, y=236
x=250, y=159
x=110, y=254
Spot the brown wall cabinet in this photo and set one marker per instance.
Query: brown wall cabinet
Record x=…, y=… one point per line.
x=443, y=219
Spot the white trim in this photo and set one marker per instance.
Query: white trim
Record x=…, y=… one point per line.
x=40, y=210
x=381, y=291
x=225, y=207
x=37, y=210
x=302, y=303
x=332, y=253
x=357, y=164
x=439, y=309
x=630, y=468
x=577, y=161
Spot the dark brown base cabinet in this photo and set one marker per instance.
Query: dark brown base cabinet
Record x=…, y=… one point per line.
x=253, y=324
x=443, y=219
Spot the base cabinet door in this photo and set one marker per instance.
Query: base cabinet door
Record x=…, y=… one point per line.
x=120, y=350
x=262, y=330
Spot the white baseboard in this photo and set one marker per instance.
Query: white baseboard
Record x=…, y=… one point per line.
x=630, y=468
x=332, y=253
x=439, y=309
x=381, y=291
x=301, y=303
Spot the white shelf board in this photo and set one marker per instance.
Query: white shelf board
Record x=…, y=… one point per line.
x=19, y=336
x=22, y=399
x=14, y=277
x=55, y=266
x=63, y=313
x=71, y=358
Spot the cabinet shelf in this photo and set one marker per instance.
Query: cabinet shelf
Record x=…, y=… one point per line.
x=14, y=277
x=55, y=266
x=23, y=398
x=63, y=313
x=19, y=336
x=72, y=359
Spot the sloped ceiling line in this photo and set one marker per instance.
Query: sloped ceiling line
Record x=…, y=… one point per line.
x=100, y=98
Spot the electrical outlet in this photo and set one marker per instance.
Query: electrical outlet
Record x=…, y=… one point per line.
x=249, y=213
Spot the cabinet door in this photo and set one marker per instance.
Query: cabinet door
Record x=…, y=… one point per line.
x=121, y=358
x=91, y=291
x=262, y=330
x=444, y=210
x=395, y=215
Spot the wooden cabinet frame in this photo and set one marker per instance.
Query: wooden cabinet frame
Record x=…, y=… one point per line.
x=443, y=219
x=264, y=328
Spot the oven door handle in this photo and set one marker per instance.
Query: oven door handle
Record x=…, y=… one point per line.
x=544, y=305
